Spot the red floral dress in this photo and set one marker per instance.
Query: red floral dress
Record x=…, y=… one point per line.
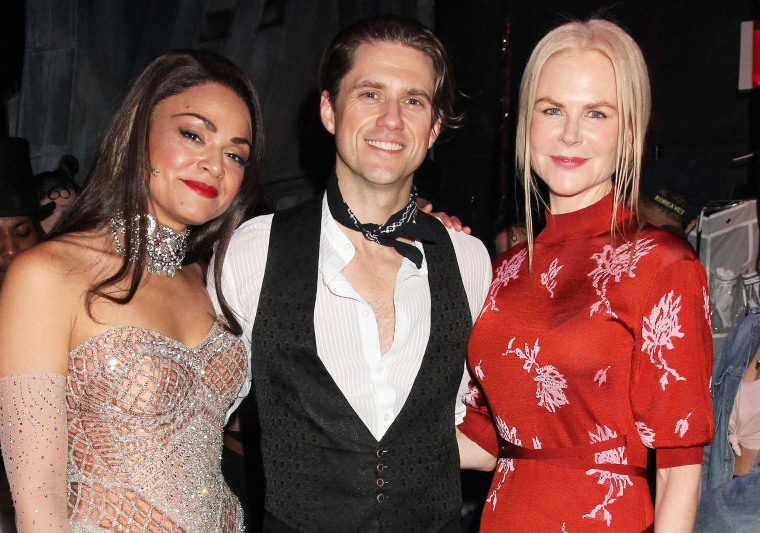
x=582, y=364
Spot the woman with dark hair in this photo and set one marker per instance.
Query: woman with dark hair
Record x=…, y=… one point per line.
x=115, y=373
x=611, y=353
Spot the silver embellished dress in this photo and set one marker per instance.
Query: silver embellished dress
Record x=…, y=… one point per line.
x=145, y=418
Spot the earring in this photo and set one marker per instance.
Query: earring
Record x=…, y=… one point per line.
x=155, y=172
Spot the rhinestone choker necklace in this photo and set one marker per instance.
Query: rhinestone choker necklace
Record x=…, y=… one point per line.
x=165, y=248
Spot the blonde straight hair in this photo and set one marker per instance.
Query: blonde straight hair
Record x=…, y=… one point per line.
x=633, y=102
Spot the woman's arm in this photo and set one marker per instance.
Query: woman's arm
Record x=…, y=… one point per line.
x=35, y=326
x=34, y=441
x=472, y=456
x=37, y=313
x=677, y=498
x=670, y=387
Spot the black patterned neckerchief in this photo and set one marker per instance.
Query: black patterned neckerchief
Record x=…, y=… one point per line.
x=402, y=223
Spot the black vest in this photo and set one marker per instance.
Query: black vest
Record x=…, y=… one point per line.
x=324, y=470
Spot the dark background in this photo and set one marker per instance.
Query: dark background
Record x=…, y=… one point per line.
x=65, y=63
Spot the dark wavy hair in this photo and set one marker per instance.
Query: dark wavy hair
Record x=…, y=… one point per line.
x=116, y=182
x=338, y=59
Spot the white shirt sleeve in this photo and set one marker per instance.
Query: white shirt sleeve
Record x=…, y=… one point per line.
x=476, y=271
x=242, y=275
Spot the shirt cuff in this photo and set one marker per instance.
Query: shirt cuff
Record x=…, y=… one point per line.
x=670, y=457
x=479, y=429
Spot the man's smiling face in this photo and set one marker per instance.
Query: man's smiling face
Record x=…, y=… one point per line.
x=382, y=117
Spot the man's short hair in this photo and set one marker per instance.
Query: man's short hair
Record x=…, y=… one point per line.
x=338, y=59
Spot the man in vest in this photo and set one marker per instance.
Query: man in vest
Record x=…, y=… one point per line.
x=357, y=307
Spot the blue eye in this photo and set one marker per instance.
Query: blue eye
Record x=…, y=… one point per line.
x=551, y=111
x=597, y=114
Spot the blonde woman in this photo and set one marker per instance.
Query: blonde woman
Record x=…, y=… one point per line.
x=594, y=342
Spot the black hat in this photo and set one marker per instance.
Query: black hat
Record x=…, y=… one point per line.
x=17, y=196
x=678, y=175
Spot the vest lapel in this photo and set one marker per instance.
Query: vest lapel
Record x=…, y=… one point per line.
x=293, y=269
x=449, y=321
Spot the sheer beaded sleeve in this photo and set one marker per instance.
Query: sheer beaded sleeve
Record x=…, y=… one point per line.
x=34, y=443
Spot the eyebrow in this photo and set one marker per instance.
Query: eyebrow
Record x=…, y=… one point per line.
x=601, y=103
x=367, y=84
x=212, y=127
x=419, y=93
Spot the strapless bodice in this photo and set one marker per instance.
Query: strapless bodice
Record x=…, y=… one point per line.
x=145, y=420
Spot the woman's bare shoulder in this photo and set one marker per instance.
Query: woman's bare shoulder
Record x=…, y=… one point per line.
x=40, y=301
x=62, y=264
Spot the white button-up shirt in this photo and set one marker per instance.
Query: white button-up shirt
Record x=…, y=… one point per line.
x=348, y=343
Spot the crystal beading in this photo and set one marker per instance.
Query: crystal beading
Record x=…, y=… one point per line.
x=164, y=247
x=145, y=422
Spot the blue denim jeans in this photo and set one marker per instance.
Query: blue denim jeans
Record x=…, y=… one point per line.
x=733, y=507
x=730, y=504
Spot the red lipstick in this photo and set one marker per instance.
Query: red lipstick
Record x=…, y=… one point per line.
x=569, y=162
x=207, y=191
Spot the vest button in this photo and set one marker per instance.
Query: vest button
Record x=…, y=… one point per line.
x=380, y=498
x=380, y=467
x=379, y=453
x=380, y=482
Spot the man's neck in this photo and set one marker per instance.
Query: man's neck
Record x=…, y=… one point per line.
x=371, y=203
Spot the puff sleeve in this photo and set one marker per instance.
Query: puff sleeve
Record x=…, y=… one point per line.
x=478, y=425
x=672, y=365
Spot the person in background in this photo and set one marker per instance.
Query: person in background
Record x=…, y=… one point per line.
x=731, y=471
x=116, y=373
x=612, y=351
x=20, y=214
x=58, y=188
x=507, y=235
x=668, y=195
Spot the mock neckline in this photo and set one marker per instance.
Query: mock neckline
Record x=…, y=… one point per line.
x=590, y=221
